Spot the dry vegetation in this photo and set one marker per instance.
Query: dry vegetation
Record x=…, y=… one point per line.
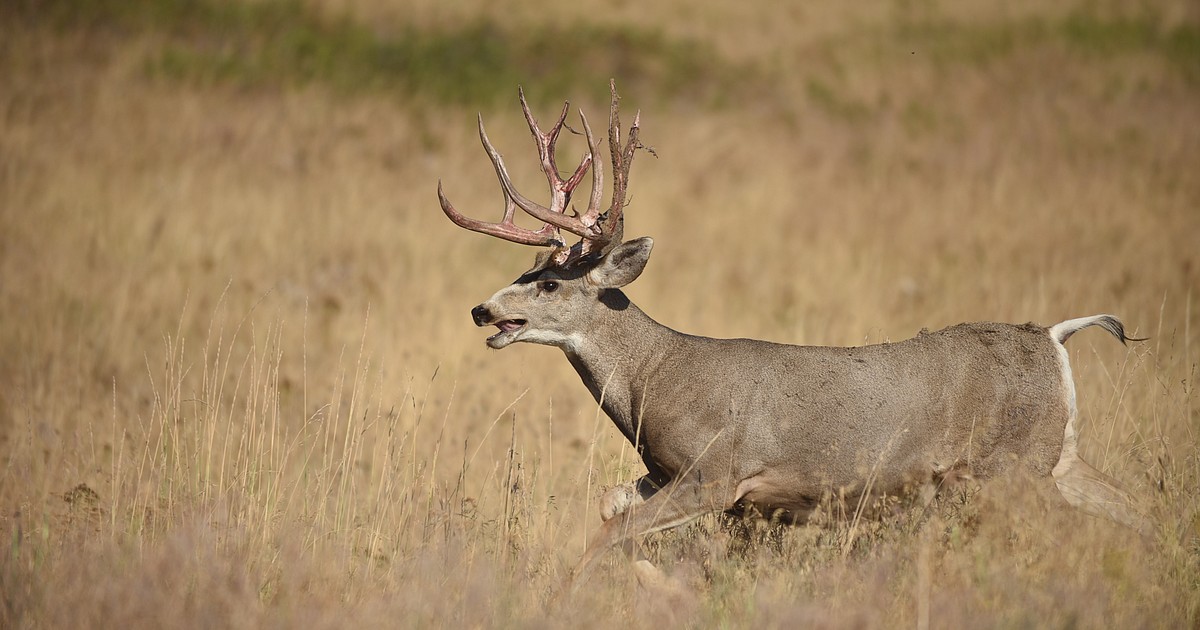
x=239, y=385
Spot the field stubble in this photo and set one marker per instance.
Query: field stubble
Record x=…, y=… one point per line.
x=240, y=386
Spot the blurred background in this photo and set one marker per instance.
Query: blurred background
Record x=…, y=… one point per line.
x=233, y=315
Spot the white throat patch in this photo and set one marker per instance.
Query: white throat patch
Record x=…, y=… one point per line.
x=571, y=342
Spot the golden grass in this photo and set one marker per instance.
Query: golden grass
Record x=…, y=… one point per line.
x=240, y=386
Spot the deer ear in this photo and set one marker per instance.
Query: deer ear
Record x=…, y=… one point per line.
x=623, y=264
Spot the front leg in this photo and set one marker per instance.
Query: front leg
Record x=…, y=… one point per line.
x=676, y=503
x=620, y=498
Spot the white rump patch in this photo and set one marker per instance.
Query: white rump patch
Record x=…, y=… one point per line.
x=1070, y=437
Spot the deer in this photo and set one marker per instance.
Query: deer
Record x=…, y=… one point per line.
x=737, y=424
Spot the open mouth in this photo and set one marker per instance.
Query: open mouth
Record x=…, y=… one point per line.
x=507, y=326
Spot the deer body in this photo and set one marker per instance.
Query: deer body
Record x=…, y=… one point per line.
x=788, y=424
x=725, y=423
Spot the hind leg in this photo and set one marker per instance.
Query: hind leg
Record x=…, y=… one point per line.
x=1082, y=485
x=1095, y=492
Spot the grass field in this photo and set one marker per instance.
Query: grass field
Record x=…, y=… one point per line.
x=239, y=384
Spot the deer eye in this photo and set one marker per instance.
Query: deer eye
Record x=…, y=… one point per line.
x=549, y=286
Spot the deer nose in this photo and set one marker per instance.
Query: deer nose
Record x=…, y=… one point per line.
x=481, y=315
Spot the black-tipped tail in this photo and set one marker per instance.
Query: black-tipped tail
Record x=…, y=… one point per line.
x=1062, y=331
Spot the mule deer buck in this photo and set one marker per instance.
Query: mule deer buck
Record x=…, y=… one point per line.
x=738, y=423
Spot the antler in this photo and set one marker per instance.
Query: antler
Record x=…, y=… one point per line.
x=598, y=231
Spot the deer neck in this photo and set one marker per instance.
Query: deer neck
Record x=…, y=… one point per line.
x=617, y=356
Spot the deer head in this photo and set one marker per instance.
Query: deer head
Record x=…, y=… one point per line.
x=551, y=303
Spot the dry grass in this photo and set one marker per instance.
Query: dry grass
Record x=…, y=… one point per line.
x=239, y=385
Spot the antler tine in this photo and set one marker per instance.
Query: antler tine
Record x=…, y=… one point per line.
x=545, y=141
x=622, y=160
x=560, y=190
x=593, y=210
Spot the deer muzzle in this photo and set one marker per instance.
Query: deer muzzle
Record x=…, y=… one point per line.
x=508, y=328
